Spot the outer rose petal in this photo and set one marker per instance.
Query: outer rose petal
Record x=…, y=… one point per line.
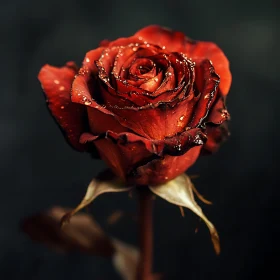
x=219, y=112
x=175, y=41
x=125, y=152
x=56, y=83
x=216, y=136
x=160, y=171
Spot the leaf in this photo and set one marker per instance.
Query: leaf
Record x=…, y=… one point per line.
x=83, y=234
x=101, y=184
x=179, y=191
x=126, y=260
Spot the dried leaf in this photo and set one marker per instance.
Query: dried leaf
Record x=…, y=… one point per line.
x=179, y=191
x=83, y=234
x=125, y=260
x=97, y=187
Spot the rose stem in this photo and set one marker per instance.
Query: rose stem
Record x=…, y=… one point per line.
x=145, y=233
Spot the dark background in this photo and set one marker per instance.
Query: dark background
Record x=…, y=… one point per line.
x=39, y=170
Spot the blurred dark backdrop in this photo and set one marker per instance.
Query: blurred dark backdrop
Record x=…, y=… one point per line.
x=39, y=170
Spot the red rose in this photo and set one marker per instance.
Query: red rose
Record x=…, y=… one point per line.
x=148, y=103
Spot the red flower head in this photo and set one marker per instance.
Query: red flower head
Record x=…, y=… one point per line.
x=149, y=103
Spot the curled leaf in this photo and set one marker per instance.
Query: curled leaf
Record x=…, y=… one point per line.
x=179, y=191
x=83, y=234
x=97, y=186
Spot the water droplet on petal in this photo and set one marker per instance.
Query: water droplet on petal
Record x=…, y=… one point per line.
x=62, y=88
x=87, y=102
x=56, y=82
x=62, y=107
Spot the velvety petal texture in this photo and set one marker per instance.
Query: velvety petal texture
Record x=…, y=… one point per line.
x=150, y=103
x=56, y=83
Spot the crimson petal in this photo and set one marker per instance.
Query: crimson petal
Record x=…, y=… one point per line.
x=216, y=135
x=207, y=82
x=125, y=152
x=219, y=112
x=56, y=83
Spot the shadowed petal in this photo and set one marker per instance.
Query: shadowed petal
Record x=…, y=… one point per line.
x=207, y=82
x=216, y=135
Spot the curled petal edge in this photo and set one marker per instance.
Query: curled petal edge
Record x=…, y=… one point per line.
x=174, y=146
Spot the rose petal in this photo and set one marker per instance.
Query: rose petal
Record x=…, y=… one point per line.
x=207, y=82
x=160, y=171
x=216, y=135
x=168, y=119
x=174, y=41
x=218, y=113
x=125, y=152
x=56, y=83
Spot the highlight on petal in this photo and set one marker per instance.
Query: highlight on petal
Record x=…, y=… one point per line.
x=97, y=186
x=56, y=83
x=180, y=192
x=83, y=234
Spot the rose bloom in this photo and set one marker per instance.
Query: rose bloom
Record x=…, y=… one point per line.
x=148, y=105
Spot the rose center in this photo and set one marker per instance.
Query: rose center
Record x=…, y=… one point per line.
x=144, y=69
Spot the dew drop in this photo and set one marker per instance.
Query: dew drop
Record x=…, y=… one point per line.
x=87, y=59
x=166, y=178
x=62, y=107
x=181, y=118
x=87, y=102
x=56, y=82
x=163, y=47
x=62, y=88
